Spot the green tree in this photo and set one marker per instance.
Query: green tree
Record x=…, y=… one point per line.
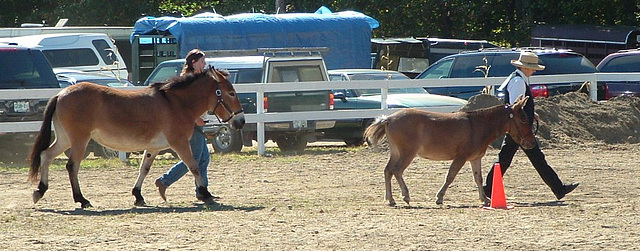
x=507, y=22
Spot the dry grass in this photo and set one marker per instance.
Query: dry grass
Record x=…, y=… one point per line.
x=330, y=198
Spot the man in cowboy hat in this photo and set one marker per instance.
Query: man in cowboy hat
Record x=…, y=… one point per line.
x=515, y=85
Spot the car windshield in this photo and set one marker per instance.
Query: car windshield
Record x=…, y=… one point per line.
x=377, y=76
x=164, y=72
x=384, y=76
x=627, y=63
x=369, y=92
x=565, y=63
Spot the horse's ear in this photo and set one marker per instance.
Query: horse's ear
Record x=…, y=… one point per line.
x=521, y=101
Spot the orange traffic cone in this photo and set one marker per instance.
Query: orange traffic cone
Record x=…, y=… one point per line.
x=498, y=199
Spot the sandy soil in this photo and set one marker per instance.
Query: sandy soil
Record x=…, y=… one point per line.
x=331, y=198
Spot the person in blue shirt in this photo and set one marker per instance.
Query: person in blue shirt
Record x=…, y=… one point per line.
x=195, y=63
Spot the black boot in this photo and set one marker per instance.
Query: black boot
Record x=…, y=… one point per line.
x=566, y=189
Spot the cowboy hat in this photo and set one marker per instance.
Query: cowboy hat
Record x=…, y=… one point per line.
x=528, y=60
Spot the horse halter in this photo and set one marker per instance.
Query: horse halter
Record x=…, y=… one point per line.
x=226, y=107
x=510, y=109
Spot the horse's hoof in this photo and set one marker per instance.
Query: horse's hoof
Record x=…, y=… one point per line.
x=439, y=201
x=407, y=200
x=36, y=196
x=392, y=203
x=140, y=203
x=86, y=205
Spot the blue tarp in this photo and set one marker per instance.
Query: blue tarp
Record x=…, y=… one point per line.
x=347, y=34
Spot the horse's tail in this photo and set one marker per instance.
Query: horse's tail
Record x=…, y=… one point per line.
x=42, y=140
x=376, y=131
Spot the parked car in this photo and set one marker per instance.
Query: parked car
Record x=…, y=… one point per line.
x=289, y=135
x=22, y=68
x=466, y=65
x=89, y=52
x=618, y=62
x=351, y=130
x=67, y=77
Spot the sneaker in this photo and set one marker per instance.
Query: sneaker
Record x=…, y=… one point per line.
x=161, y=189
x=566, y=189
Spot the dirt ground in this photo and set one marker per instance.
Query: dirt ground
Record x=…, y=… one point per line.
x=331, y=198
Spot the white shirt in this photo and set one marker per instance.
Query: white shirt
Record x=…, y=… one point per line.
x=517, y=86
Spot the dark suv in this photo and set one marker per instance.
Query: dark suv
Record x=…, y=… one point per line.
x=622, y=61
x=22, y=68
x=467, y=65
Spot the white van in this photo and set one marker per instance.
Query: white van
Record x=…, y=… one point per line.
x=89, y=52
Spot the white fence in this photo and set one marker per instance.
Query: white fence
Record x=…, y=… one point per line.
x=260, y=118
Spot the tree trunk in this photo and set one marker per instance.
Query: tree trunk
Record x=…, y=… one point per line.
x=281, y=6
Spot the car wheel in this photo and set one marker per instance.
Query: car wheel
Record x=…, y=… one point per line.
x=108, y=153
x=292, y=142
x=227, y=140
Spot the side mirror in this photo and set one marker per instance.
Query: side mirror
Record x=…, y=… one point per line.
x=339, y=95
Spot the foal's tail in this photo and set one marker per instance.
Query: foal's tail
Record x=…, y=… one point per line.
x=42, y=140
x=376, y=131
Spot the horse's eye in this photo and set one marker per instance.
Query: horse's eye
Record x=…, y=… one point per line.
x=232, y=94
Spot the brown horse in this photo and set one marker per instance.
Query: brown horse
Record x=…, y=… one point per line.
x=152, y=119
x=458, y=136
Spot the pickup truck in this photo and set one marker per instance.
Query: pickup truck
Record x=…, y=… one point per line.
x=289, y=135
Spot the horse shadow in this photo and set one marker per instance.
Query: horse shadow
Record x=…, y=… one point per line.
x=198, y=207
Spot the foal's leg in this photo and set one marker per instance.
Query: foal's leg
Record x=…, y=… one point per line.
x=145, y=166
x=455, y=167
x=398, y=170
x=476, y=167
x=73, y=167
x=60, y=144
x=387, y=180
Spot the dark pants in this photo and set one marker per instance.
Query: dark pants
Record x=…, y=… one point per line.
x=508, y=150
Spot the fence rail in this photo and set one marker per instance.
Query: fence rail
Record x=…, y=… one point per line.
x=260, y=117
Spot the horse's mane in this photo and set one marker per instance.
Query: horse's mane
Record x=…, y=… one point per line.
x=177, y=82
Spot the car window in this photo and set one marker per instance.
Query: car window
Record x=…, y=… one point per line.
x=626, y=63
x=336, y=77
x=164, y=72
x=440, y=69
x=25, y=69
x=107, y=54
x=466, y=66
x=564, y=63
x=249, y=76
x=501, y=64
x=297, y=74
x=71, y=57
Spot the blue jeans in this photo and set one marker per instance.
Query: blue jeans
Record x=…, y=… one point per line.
x=200, y=153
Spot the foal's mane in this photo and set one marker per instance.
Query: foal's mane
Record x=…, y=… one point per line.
x=486, y=109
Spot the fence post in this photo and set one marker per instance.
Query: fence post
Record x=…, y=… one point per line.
x=260, y=124
x=593, y=87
